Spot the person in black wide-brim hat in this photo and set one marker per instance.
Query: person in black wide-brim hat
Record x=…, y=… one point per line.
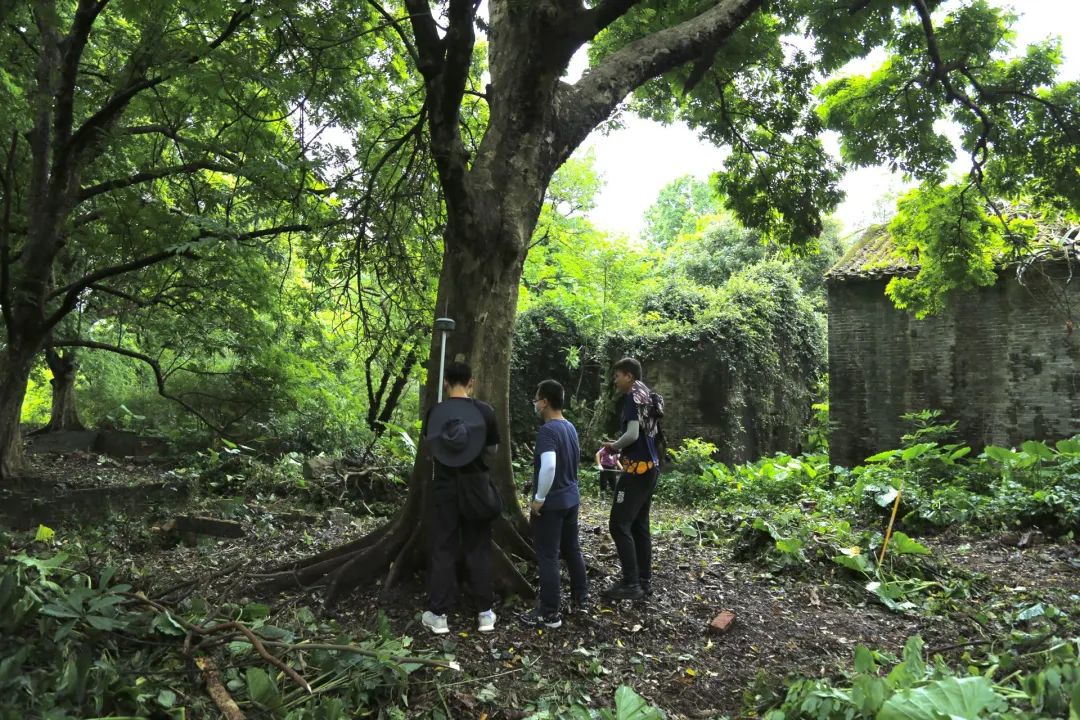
x=461, y=433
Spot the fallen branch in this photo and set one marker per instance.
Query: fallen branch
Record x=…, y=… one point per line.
x=257, y=643
x=201, y=580
x=260, y=644
x=217, y=691
x=232, y=625
x=957, y=646
x=404, y=660
x=204, y=526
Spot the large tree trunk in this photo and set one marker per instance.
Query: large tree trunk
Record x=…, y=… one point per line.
x=493, y=194
x=14, y=375
x=65, y=413
x=479, y=291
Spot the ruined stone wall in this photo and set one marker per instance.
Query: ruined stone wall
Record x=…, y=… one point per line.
x=745, y=415
x=714, y=403
x=1002, y=361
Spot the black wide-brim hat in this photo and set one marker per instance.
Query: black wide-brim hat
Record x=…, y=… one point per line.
x=456, y=432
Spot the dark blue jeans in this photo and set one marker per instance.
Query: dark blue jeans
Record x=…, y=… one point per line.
x=555, y=533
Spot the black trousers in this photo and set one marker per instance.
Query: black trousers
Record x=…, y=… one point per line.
x=629, y=525
x=448, y=534
x=556, y=534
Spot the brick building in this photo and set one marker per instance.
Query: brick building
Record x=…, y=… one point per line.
x=1003, y=361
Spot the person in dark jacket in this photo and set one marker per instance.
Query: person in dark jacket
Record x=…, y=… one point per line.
x=462, y=434
x=629, y=519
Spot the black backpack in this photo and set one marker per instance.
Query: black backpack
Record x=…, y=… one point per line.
x=478, y=498
x=649, y=417
x=655, y=412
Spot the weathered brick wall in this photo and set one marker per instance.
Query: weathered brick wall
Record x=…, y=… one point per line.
x=709, y=402
x=1001, y=361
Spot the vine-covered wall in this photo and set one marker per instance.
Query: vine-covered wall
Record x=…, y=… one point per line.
x=744, y=373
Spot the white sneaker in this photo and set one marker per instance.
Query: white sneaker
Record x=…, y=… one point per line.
x=487, y=621
x=435, y=623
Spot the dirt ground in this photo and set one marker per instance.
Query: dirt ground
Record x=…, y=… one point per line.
x=803, y=623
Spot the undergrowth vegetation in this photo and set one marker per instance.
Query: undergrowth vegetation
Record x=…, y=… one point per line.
x=800, y=515
x=84, y=636
x=78, y=643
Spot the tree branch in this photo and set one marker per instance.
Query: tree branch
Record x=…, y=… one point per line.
x=459, y=42
x=941, y=73
x=174, y=135
x=136, y=301
x=100, y=121
x=444, y=64
x=594, y=97
x=593, y=21
x=74, y=290
x=393, y=22
x=429, y=47
x=85, y=15
x=149, y=175
x=159, y=376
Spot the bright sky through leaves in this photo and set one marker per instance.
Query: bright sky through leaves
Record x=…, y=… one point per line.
x=637, y=161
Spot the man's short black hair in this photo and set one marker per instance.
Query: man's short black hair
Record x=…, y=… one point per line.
x=552, y=391
x=630, y=366
x=457, y=373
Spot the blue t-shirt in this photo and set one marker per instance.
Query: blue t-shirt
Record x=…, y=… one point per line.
x=644, y=448
x=560, y=437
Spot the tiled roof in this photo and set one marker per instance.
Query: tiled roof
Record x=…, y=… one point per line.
x=872, y=256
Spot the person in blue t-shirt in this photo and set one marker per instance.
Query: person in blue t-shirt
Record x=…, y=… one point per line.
x=629, y=520
x=554, y=506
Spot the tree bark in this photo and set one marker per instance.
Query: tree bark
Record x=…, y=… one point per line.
x=493, y=201
x=65, y=413
x=14, y=376
x=479, y=290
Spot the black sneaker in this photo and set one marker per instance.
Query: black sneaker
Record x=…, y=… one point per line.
x=623, y=591
x=533, y=618
x=646, y=587
x=579, y=606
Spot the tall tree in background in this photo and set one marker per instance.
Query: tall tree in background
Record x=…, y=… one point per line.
x=721, y=65
x=677, y=209
x=108, y=102
x=147, y=134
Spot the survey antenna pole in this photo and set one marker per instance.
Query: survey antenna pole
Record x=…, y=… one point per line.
x=444, y=325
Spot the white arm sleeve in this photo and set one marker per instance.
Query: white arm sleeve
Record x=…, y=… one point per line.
x=628, y=438
x=546, y=476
